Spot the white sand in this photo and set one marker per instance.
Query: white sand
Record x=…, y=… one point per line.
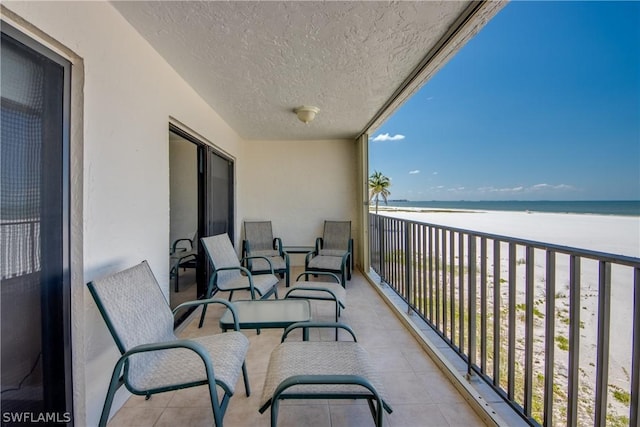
x=618, y=235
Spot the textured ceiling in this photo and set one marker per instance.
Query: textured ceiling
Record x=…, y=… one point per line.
x=254, y=62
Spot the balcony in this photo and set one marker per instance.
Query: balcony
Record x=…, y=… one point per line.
x=419, y=392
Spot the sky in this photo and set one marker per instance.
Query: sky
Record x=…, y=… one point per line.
x=542, y=104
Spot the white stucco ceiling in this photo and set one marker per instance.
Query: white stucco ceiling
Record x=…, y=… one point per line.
x=254, y=62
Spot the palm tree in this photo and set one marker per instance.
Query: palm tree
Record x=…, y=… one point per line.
x=379, y=186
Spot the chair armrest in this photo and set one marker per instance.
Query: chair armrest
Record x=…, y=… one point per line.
x=306, y=325
x=258, y=256
x=208, y=301
x=174, y=248
x=319, y=244
x=214, y=276
x=191, y=345
x=187, y=344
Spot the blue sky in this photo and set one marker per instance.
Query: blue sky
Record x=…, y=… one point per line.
x=543, y=104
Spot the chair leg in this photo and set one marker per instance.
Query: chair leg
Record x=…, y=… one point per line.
x=247, y=387
x=274, y=412
x=217, y=416
x=204, y=312
x=114, y=384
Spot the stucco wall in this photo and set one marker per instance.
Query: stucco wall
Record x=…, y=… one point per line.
x=129, y=95
x=297, y=185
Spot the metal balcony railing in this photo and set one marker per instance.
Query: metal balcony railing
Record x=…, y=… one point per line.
x=554, y=330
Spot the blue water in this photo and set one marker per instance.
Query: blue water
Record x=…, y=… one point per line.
x=600, y=207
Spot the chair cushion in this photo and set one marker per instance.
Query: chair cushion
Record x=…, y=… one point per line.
x=172, y=367
x=267, y=253
x=260, y=264
x=332, y=252
x=326, y=262
x=261, y=282
x=319, y=358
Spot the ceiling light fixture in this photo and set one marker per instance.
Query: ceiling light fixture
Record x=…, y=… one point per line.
x=306, y=114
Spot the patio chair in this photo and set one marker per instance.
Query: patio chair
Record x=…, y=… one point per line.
x=229, y=275
x=333, y=251
x=259, y=241
x=320, y=291
x=184, y=254
x=153, y=359
x=321, y=370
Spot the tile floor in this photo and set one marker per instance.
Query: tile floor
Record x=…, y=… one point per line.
x=417, y=390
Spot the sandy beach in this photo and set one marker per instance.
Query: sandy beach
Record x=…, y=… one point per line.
x=619, y=235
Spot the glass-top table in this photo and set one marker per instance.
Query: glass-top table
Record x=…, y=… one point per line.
x=273, y=313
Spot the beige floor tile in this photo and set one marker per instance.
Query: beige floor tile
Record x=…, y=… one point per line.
x=136, y=417
x=421, y=415
x=186, y=417
x=194, y=397
x=459, y=414
x=160, y=400
x=404, y=388
x=351, y=416
x=303, y=415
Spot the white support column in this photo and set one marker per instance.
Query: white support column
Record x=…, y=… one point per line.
x=362, y=257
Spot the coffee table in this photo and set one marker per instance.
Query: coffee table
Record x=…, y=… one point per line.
x=273, y=313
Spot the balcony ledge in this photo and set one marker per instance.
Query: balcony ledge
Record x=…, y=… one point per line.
x=483, y=399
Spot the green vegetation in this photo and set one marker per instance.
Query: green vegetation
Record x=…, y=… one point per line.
x=621, y=395
x=563, y=342
x=617, y=420
x=536, y=312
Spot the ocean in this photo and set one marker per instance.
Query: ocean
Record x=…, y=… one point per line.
x=599, y=207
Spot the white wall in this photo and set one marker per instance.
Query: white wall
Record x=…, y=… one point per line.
x=297, y=185
x=129, y=94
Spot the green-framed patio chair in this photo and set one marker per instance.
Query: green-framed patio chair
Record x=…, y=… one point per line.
x=153, y=359
x=183, y=254
x=259, y=241
x=320, y=291
x=322, y=370
x=229, y=275
x=333, y=251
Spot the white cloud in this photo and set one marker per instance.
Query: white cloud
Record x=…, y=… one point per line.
x=386, y=137
x=523, y=189
x=435, y=173
x=413, y=172
x=552, y=187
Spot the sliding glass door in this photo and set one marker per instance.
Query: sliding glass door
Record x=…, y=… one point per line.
x=34, y=231
x=201, y=193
